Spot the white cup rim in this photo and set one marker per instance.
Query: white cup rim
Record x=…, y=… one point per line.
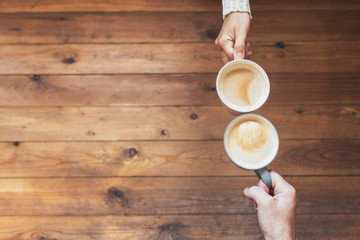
x=268, y=159
x=259, y=103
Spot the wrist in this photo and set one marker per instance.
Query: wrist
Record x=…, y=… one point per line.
x=236, y=6
x=238, y=12
x=282, y=235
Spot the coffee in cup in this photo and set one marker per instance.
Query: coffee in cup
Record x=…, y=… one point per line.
x=252, y=142
x=243, y=86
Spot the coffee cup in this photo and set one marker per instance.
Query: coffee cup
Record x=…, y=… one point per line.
x=243, y=86
x=252, y=142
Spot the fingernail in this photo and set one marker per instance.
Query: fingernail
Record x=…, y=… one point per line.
x=239, y=55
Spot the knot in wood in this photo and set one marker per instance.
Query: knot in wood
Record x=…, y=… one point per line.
x=212, y=33
x=168, y=227
x=69, y=60
x=113, y=191
x=118, y=193
x=16, y=144
x=210, y=89
x=299, y=110
x=280, y=44
x=36, y=78
x=193, y=116
x=40, y=236
x=131, y=152
x=164, y=132
x=91, y=133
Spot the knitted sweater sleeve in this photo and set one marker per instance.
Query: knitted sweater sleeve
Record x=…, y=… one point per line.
x=235, y=6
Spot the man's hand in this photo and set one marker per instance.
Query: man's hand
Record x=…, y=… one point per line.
x=276, y=215
x=232, y=37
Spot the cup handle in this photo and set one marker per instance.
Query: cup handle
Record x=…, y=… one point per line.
x=264, y=175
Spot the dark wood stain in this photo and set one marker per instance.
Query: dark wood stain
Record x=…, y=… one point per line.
x=193, y=116
x=212, y=33
x=68, y=60
x=164, y=132
x=36, y=78
x=116, y=197
x=280, y=45
x=299, y=110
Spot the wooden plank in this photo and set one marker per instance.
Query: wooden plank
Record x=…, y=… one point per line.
x=109, y=27
x=150, y=90
x=169, y=123
x=173, y=27
x=109, y=90
x=166, y=5
x=314, y=88
x=173, y=58
x=170, y=195
x=178, y=158
x=305, y=25
x=320, y=227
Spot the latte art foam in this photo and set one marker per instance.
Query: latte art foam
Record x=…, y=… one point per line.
x=251, y=135
x=250, y=140
x=242, y=87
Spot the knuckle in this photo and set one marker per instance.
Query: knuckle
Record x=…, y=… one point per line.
x=292, y=191
x=240, y=46
x=252, y=189
x=222, y=41
x=294, y=195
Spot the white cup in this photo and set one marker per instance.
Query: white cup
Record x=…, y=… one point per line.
x=243, y=86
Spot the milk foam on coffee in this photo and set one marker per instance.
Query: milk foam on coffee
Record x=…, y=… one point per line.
x=243, y=87
x=250, y=141
x=250, y=135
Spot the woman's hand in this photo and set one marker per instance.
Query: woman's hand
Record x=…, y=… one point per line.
x=232, y=37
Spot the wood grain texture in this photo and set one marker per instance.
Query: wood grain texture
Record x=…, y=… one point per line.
x=111, y=128
x=109, y=27
x=173, y=58
x=179, y=158
x=230, y=227
x=171, y=195
x=170, y=123
x=164, y=5
x=173, y=27
x=171, y=90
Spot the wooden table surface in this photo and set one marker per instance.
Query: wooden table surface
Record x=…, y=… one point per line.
x=111, y=128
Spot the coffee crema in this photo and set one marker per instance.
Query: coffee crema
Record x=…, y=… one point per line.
x=242, y=87
x=251, y=140
x=251, y=135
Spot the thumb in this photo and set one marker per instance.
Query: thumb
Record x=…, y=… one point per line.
x=239, y=47
x=257, y=194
